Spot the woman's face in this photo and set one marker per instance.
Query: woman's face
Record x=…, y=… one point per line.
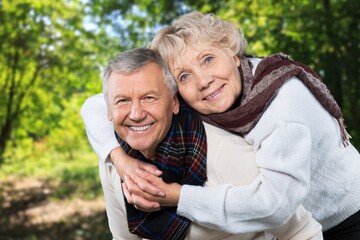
x=208, y=78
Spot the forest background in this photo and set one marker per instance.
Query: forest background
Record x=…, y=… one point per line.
x=51, y=57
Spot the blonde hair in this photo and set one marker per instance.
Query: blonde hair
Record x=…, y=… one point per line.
x=195, y=29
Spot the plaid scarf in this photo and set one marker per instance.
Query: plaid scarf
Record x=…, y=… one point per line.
x=182, y=158
x=260, y=88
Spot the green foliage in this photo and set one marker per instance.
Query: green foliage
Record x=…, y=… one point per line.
x=52, y=53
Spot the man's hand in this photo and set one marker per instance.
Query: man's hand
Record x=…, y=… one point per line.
x=148, y=199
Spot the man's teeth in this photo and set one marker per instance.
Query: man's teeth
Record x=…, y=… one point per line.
x=142, y=128
x=212, y=95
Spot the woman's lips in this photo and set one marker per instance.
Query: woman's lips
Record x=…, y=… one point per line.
x=214, y=94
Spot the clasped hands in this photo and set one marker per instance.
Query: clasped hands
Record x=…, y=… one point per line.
x=143, y=186
x=151, y=192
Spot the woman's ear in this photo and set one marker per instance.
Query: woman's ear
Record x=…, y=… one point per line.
x=176, y=105
x=237, y=60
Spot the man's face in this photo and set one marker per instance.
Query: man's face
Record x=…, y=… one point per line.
x=141, y=107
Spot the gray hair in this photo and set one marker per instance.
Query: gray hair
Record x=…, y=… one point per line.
x=132, y=60
x=196, y=29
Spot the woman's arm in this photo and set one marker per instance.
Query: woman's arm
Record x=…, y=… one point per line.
x=99, y=129
x=269, y=201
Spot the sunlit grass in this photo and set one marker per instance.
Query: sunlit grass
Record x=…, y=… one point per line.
x=72, y=176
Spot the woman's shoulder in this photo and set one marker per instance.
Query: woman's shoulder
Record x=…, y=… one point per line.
x=254, y=61
x=294, y=102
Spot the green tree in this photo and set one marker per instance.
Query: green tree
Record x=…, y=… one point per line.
x=47, y=57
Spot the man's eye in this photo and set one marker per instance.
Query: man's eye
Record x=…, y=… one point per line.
x=149, y=98
x=122, y=101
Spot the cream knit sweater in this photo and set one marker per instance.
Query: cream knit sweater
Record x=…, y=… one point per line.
x=301, y=160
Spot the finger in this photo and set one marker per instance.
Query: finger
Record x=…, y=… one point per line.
x=148, y=177
x=132, y=187
x=145, y=205
x=128, y=196
x=148, y=187
x=151, y=168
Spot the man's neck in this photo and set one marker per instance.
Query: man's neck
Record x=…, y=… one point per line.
x=150, y=155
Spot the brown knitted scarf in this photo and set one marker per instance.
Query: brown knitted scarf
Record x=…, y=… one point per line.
x=259, y=90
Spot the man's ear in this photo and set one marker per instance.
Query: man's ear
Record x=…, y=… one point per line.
x=109, y=113
x=176, y=105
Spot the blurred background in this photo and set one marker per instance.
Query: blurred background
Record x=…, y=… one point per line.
x=51, y=56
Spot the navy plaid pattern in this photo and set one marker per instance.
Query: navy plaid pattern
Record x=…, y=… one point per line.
x=182, y=158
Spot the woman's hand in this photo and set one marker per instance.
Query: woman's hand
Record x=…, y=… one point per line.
x=150, y=200
x=126, y=165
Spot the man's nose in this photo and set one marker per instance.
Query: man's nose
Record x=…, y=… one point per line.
x=137, y=112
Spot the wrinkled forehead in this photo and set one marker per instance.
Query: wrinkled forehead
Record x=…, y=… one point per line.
x=184, y=54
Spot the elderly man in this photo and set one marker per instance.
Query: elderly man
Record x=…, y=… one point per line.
x=151, y=125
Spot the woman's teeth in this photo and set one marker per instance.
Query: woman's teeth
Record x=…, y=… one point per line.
x=212, y=95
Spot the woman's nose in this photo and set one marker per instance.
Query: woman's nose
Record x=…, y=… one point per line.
x=204, y=79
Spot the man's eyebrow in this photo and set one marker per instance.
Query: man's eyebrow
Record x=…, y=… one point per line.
x=116, y=96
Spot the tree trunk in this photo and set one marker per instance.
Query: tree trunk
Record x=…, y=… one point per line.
x=4, y=138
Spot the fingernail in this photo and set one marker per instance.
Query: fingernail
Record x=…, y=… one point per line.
x=158, y=172
x=161, y=194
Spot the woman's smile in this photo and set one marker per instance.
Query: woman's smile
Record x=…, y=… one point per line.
x=214, y=94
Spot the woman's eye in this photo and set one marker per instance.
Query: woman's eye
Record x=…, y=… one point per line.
x=208, y=59
x=183, y=77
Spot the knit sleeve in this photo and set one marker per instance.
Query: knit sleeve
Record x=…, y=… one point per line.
x=263, y=204
x=99, y=129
